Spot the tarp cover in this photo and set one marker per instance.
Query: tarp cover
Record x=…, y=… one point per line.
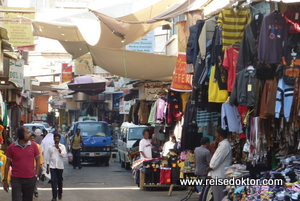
x=107, y=48
x=131, y=64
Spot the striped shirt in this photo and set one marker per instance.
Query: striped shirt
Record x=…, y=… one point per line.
x=204, y=118
x=233, y=24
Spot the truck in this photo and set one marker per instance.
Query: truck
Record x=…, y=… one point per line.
x=97, y=140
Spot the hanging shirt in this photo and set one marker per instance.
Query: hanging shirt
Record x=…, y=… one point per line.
x=230, y=62
x=233, y=24
x=284, y=97
x=273, y=39
x=233, y=118
x=248, y=50
x=145, y=146
x=215, y=95
x=143, y=112
x=161, y=104
x=292, y=18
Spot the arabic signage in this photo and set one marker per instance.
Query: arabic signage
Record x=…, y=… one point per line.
x=71, y=105
x=181, y=81
x=149, y=90
x=16, y=71
x=125, y=106
x=19, y=28
x=116, y=101
x=66, y=72
x=146, y=44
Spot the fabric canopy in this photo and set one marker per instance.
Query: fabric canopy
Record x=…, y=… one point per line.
x=131, y=64
x=112, y=30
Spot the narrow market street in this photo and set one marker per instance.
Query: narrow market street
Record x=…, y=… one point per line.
x=102, y=183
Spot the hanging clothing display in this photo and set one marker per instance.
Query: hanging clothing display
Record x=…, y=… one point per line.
x=233, y=22
x=248, y=54
x=214, y=93
x=243, y=93
x=273, y=38
x=206, y=35
x=143, y=112
x=230, y=60
x=284, y=99
x=230, y=118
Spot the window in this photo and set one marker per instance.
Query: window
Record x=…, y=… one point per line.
x=89, y=129
x=135, y=133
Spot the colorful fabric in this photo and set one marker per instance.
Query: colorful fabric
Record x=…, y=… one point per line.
x=230, y=62
x=216, y=95
x=233, y=24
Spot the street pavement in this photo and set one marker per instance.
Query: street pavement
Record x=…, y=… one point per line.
x=94, y=183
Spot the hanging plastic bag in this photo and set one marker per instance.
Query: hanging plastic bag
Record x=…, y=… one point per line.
x=70, y=157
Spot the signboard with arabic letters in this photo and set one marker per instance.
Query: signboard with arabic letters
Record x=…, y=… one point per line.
x=16, y=72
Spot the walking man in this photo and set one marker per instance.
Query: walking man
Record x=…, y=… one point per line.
x=202, y=156
x=21, y=155
x=55, y=165
x=222, y=158
x=33, y=138
x=76, y=143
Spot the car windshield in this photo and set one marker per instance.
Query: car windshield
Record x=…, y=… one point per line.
x=46, y=125
x=41, y=127
x=135, y=133
x=89, y=129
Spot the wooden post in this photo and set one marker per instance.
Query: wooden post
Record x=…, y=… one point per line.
x=142, y=179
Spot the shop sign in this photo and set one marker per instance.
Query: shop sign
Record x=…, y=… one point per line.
x=125, y=106
x=181, y=81
x=66, y=72
x=116, y=101
x=146, y=44
x=149, y=90
x=16, y=71
x=19, y=28
x=71, y=105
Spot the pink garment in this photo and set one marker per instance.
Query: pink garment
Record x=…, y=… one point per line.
x=161, y=104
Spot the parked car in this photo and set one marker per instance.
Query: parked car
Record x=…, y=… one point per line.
x=129, y=134
x=46, y=125
x=40, y=126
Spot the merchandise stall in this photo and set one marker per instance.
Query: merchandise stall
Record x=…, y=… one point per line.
x=246, y=80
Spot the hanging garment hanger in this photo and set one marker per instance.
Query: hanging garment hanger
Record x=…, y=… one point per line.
x=250, y=68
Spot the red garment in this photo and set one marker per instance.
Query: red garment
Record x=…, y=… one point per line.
x=243, y=112
x=231, y=55
x=292, y=17
x=23, y=159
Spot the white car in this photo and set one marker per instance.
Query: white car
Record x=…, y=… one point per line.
x=40, y=126
x=46, y=125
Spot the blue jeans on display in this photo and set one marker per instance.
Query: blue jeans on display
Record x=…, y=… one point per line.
x=56, y=182
x=76, y=158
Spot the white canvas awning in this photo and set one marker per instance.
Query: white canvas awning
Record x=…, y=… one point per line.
x=106, y=31
x=131, y=64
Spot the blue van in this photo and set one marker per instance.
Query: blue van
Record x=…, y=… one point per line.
x=97, y=141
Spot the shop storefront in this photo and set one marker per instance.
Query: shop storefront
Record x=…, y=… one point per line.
x=245, y=79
